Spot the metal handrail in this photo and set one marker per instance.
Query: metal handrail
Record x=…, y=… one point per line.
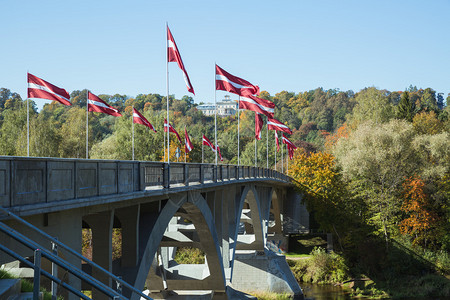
x=73, y=252
x=60, y=262
x=43, y=272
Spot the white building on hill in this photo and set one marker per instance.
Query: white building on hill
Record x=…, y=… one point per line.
x=225, y=108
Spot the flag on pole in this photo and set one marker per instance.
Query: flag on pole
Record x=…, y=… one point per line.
x=258, y=105
x=227, y=82
x=171, y=129
x=207, y=142
x=274, y=124
x=41, y=89
x=258, y=126
x=98, y=105
x=187, y=142
x=277, y=141
x=173, y=55
x=138, y=118
x=220, y=154
x=291, y=147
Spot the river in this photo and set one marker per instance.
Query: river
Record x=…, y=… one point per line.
x=324, y=292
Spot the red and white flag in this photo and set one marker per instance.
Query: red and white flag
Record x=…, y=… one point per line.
x=274, y=124
x=207, y=142
x=258, y=126
x=187, y=142
x=277, y=141
x=227, y=82
x=220, y=154
x=98, y=105
x=290, y=146
x=258, y=105
x=171, y=129
x=140, y=119
x=41, y=89
x=173, y=55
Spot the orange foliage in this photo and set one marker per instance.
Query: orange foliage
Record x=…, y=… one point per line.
x=332, y=139
x=416, y=203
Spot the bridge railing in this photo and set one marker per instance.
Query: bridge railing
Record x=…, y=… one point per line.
x=33, y=180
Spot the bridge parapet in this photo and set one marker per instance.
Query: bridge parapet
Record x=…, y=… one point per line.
x=28, y=181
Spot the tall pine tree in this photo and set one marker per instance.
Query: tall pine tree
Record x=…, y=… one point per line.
x=406, y=108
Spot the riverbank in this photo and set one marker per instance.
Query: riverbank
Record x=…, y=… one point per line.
x=374, y=273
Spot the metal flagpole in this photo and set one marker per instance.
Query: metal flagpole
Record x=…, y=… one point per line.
x=282, y=162
x=239, y=117
x=28, y=119
x=87, y=124
x=132, y=129
x=275, y=135
x=256, y=158
x=267, y=146
x=215, y=113
x=167, y=81
x=202, y=149
x=287, y=160
x=185, y=143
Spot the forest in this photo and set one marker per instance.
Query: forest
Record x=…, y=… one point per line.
x=374, y=165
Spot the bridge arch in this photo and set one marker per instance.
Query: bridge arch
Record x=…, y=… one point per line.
x=193, y=206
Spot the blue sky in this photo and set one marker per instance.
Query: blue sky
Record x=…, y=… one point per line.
x=119, y=46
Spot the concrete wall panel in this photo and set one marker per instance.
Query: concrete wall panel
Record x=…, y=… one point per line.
x=29, y=182
x=4, y=183
x=86, y=183
x=61, y=181
x=126, y=176
x=107, y=178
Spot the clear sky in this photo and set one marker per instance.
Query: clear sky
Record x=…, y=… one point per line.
x=114, y=47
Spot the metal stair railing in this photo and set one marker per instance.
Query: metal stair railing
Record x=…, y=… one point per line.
x=57, y=260
x=40, y=251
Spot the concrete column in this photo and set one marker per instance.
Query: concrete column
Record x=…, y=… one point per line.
x=101, y=225
x=129, y=220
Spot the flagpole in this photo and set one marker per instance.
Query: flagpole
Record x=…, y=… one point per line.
x=256, y=159
x=215, y=113
x=185, y=143
x=239, y=117
x=275, y=133
x=167, y=81
x=87, y=124
x=287, y=160
x=132, y=129
x=28, y=127
x=202, y=149
x=267, y=147
x=282, y=162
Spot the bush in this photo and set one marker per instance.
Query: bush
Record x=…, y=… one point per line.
x=321, y=267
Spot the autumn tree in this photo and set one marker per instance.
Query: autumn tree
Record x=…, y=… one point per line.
x=420, y=219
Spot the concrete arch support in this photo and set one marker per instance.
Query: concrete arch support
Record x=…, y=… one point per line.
x=193, y=207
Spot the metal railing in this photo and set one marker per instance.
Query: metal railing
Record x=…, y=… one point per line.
x=39, y=251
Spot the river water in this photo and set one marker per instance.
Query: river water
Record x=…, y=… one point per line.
x=324, y=292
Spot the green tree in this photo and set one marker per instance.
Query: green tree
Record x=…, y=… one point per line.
x=405, y=108
x=372, y=104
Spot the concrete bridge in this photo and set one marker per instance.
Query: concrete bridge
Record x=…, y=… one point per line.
x=237, y=216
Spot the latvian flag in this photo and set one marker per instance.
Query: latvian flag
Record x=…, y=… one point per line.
x=227, y=82
x=98, y=105
x=207, y=142
x=291, y=147
x=258, y=126
x=41, y=89
x=173, y=55
x=258, y=105
x=187, y=142
x=274, y=124
x=171, y=129
x=220, y=154
x=140, y=119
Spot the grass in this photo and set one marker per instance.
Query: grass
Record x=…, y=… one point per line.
x=270, y=296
